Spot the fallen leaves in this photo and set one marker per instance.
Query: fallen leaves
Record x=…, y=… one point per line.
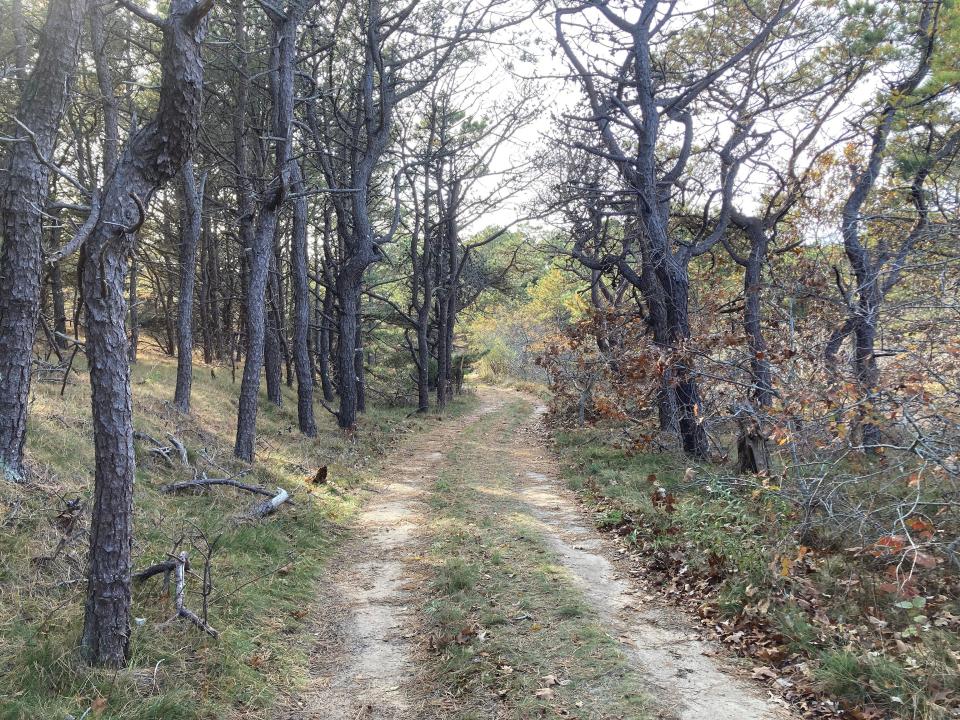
x=764, y=673
x=437, y=641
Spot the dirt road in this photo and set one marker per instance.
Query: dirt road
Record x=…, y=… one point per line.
x=368, y=656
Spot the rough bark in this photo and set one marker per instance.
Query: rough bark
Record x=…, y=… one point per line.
x=282, y=86
x=348, y=299
x=272, y=356
x=20, y=49
x=324, y=351
x=134, y=343
x=55, y=277
x=108, y=98
x=761, y=390
x=301, y=299
x=359, y=365
x=153, y=156
x=23, y=194
x=190, y=226
x=675, y=280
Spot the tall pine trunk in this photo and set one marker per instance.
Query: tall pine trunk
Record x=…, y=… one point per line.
x=866, y=371
x=24, y=188
x=675, y=280
x=153, y=156
x=190, y=226
x=348, y=298
x=358, y=363
x=272, y=356
x=134, y=273
x=301, y=300
x=261, y=249
x=55, y=278
x=324, y=351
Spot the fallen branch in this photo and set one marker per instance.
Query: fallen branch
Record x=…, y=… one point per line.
x=181, y=449
x=167, y=566
x=207, y=482
x=268, y=506
x=164, y=451
x=137, y=435
x=181, y=576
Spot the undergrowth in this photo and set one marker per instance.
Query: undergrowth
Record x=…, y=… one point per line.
x=819, y=622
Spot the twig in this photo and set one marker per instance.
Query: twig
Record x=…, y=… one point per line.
x=180, y=571
x=166, y=566
x=180, y=449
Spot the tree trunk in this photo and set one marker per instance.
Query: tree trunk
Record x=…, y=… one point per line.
x=325, y=349
x=134, y=314
x=23, y=196
x=20, y=49
x=301, y=299
x=753, y=456
x=327, y=309
x=108, y=98
x=208, y=309
x=282, y=75
x=256, y=336
x=219, y=314
x=653, y=295
x=441, y=348
x=761, y=391
x=752, y=453
x=358, y=364
x=56, y=293
x=190, y=226
x=423, y=358
x=106, y=630
x=675, y=280
x=867, y=373
x=452, y=309
x=348, y=298
x=154, y=155
x=271, y=351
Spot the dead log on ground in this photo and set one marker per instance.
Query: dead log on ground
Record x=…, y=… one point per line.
x=181, y=449
x=268, y=506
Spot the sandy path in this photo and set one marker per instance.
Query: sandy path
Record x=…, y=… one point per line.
x=362, y=661
x=688, y=683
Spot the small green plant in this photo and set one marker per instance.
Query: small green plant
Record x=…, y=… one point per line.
x=611, y=519
x=456, y=576
x=801, y=636
x=864, y=679
x=917, y=619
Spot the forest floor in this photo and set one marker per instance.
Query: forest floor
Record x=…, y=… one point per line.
x=264, y=572
x=475, y=586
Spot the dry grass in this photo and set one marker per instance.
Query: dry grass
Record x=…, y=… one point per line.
x=264, y=573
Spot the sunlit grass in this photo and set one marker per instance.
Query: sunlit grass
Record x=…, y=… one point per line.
x=264, y=573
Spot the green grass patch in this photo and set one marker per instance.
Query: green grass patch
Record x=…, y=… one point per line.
x=504, y=616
